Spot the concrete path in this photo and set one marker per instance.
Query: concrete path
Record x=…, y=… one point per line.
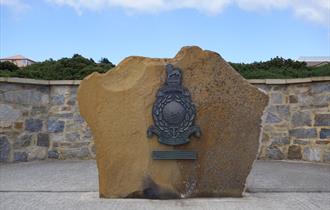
x=74, y=185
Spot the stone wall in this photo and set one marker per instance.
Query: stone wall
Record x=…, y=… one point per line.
x=297, y=122
x=40, y=120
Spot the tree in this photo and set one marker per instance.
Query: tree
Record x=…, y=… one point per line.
x=105, y=61
x=8, y=66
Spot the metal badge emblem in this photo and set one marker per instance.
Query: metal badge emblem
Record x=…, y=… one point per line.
x=173, y=112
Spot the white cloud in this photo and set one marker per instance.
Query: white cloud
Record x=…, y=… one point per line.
x=17, y=6
x=312, y=10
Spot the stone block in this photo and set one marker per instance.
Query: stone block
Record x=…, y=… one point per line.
x=321, y=87
x=322, y=119
x=272, y=118
x=43, y=139
x=301, y=142
x=18, y=125
x=293, y=99
x=294, y=152
x=4, y=149
x=276, y=98
x=282, y=111
x=8, y=113
x=53, y=154
x=274, y=153
x=20, y=156
x=57, y=100
x=322, y=142
x=69, y=153
x=72, y=136
x=279, y=139
x=301, y=119
x=303, y=133
x=118, y=107
x=23, y=140
x=325, y=133
x=33, y=125
x=326, y=156
x=26, y=96
x=37, y=153
x=39, y=110
x=312, y=154
x=55, y=126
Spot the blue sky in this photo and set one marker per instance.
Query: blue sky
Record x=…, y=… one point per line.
x=240, y=30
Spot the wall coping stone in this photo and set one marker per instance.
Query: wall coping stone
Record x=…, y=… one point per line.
x=77, y=82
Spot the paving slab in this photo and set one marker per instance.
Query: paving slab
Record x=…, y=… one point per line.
x=289, y=176
x=50, y=176
x=90, y=200
x=81, y=176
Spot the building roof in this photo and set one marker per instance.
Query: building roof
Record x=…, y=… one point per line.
x=315, y=58
x=17, y=57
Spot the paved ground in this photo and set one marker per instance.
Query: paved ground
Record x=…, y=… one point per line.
x=73, y=185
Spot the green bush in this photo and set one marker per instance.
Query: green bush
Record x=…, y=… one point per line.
x=8, y=66
x=74, y=68
x=78, y=67
x=280, y=68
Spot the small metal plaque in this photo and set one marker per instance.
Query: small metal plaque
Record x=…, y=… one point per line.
x=174, y=117
x=173, y=112
x=174, y=155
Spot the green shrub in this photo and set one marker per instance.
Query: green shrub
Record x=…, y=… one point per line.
x=8, y=66
x=77, y=67
x=280, y=68
x=74, y=68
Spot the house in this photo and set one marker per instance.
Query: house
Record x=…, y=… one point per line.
x=18, y=60
x=314, y=61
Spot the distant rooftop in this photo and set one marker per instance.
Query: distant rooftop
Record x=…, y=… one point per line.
x=18, y=60
x=315, y=60
x=16, y=57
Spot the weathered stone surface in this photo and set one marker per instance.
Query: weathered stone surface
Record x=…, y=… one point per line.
x=301, y=142
x=282, y=111
x=22, y=140
x=27, y=96
x=325, y=133
x=39, y=110
x=57, y=100
x=72, y=136
x=293, y=99
x=280, y=139
x=303, y=133
x=294, y=152
x=8, y=113
x=322, y=119
x=43, y=140
x=4, y=148
x=81, y=153
x=33, y=125
x=117, y=106
x=37, y=153
x=326, y=156
x=276, y=98
x=312, y=154
x=55, y=126
x=53, y=154
x=271, y=118
x=275, y=153
x=21, y=156
x=301, y=119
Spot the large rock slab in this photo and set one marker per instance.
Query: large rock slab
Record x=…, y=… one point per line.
x=118, y=107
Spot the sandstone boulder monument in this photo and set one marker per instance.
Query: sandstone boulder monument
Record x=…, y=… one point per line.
x=119, y=106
